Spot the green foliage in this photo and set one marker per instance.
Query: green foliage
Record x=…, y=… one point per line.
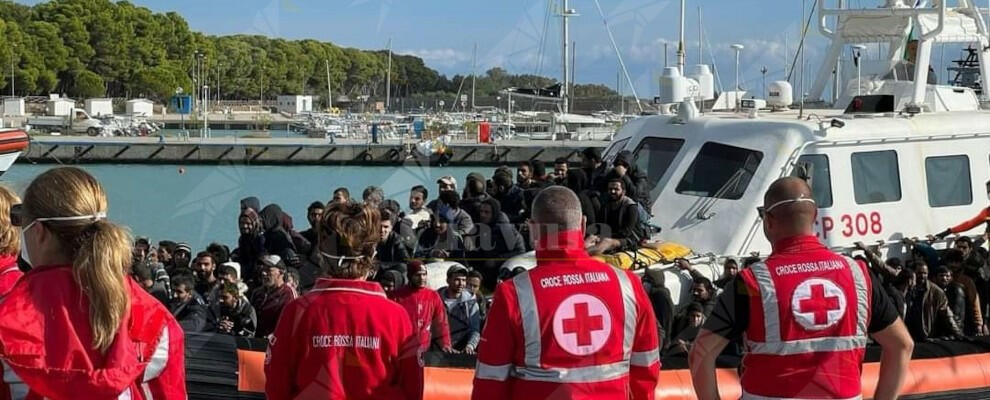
x=84, y=48
x=88, y=84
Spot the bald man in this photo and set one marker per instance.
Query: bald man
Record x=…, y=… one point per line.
x=804, y=313
x=571, y=328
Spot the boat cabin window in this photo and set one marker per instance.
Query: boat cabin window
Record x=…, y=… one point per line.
x=720, y=171
x=816, y=167
x=654, y=156
x=876, y=178
x=949, y=181
x=613, y=150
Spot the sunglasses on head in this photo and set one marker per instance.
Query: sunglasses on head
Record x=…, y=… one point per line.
x=763, y=211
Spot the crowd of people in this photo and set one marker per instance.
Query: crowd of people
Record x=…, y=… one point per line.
x=242, y=289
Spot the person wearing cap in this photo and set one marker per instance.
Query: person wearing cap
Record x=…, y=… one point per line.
x=181, y=258
x=269, y=299
x=446, y=183
x=76, y=326
x=463, y=313
x=425, y=308
x=345, y=339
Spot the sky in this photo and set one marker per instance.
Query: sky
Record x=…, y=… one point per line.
x=515, y=35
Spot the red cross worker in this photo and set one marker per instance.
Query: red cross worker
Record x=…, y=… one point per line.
x=805, y=313
x=571, y=328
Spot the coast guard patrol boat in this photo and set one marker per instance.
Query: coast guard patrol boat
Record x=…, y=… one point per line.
x=893, y=157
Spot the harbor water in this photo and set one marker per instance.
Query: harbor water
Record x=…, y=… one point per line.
x=200, y=204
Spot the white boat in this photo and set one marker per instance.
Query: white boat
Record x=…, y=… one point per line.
x=892, y=159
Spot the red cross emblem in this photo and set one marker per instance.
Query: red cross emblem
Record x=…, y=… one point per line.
x=582, y=324
x=818, y=304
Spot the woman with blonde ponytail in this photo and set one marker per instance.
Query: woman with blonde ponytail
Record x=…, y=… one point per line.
x=10, y=242
x=76, y=326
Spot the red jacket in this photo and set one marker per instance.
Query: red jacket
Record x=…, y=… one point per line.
x=269, y=305
x=344, y=340
x=45, y=340
x=573, y=327
x=808, y=323
x=428, y=314
x=9, y=273
x=983, y=216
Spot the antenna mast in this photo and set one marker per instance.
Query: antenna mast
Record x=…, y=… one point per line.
x=680, y=44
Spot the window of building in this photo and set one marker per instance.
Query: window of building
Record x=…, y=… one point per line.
x=720, y=171
x=654, y=157
x=816, y=166
x=876, y=178
x=949, y=181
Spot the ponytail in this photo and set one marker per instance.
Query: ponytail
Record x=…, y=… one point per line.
x=100, y=267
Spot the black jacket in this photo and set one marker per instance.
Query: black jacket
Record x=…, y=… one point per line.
x=243, y=316
x=193, y=315
x=392, y=251
x=622, y=220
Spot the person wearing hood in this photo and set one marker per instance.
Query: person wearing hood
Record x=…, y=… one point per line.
x=250, y=246
x=493, y=241
x=391, y=281
x=509, y=195
x=250, y=203
x=278, y=241
x=475, y=192
x=10, y=242
x=75, y=325
x=625, y=165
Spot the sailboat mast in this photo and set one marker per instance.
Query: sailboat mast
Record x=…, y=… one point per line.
x=388, y=78
x=329, y=94
x=565, y=13
x=701, y=39
x=474, y=73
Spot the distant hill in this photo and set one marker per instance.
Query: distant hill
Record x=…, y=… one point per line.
x=94, y=48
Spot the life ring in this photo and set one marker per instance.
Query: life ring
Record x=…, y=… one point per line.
x=494, y=156
x=394, y=155
x=366, y=157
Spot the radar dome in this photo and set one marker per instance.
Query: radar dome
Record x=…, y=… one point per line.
x=706, y=81
x=780, y=96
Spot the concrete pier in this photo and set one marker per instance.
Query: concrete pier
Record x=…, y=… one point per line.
x=295, y=151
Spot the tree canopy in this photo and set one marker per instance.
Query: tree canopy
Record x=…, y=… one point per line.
x=87, y=48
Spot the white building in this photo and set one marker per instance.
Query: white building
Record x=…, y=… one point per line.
x=13, y=106
x=295, y=104
x=97, y=107
x=143, y=107
x=61, y=106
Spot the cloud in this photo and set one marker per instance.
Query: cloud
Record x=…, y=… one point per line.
x=442, y=57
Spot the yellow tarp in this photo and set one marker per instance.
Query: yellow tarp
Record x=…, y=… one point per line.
x=646, y=256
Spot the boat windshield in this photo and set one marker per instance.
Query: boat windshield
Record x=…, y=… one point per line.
x=720, y=171
x=654, y=157
x=613, y=150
